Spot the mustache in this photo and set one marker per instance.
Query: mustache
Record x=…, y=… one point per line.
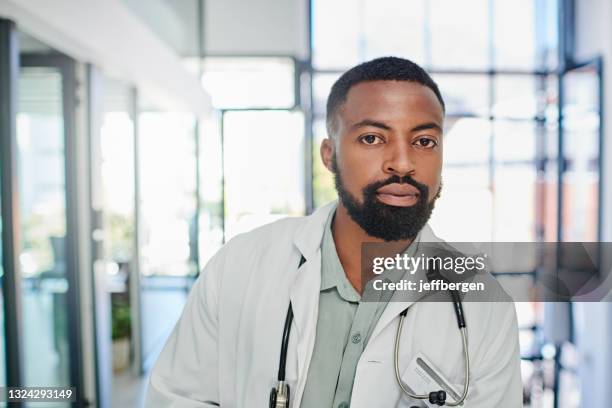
x=371, y=188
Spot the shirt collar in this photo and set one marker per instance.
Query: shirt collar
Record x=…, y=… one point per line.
x=332, y=272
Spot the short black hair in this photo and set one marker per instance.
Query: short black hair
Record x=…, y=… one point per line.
x=379, y=69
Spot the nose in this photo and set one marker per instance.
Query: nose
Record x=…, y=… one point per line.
x=398, y=162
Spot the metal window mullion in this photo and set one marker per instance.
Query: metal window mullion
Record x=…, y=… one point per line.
x=198, y=199
x=223, y=211
x=491, y=103
x=309, y=156
x=600, y=162
x=83, y=238
x=563, y=65
x=307, y=102
x=197, y=140
x=101, y=326
x=135, y=271
x=73, y=245
x=11, y=240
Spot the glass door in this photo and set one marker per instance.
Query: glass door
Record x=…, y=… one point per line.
x=51, y=347
x=40, y=135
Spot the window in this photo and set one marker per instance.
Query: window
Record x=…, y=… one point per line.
x=211, y=187
x=252, y=148
x=495, y=62
x=168, y=193
x=249, y=82
x=263, y=168
x=500, y=106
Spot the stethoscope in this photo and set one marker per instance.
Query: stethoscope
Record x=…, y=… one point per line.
x=279, y=395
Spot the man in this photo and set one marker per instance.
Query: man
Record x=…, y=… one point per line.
x=385, y=122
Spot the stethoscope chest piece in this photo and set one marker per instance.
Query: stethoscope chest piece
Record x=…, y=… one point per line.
x=279, y=396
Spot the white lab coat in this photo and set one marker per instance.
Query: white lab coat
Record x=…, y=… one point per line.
x=224, y=351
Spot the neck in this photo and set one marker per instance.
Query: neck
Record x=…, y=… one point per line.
x=348, y=238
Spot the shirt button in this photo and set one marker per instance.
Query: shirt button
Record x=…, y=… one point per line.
x=356, y=338
x=343, y=405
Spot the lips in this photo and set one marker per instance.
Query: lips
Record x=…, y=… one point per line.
x=399, y=190
x=398, y=195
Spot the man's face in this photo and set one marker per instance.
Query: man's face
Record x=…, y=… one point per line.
x=386, y=156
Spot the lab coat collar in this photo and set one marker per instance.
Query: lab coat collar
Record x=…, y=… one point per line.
x=395, y=307
x=304, y=293
x=309, y=235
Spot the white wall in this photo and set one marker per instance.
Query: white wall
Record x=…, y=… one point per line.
x=594, y=320
x=256, y=27
x=110, y=36
x=232, y=27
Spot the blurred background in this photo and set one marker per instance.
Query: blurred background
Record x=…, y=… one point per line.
x=137, y=136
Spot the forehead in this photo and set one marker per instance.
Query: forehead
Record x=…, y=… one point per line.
x=391, y=100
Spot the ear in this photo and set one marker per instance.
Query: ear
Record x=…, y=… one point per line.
x=327, y=152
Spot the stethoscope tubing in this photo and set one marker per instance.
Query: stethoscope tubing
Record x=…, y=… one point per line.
x=458, y=308
x=466, y=384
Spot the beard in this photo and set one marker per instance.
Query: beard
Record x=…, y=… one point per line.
x=380, y=220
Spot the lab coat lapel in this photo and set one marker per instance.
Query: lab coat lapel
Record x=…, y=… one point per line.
x=304, y=293
x=393, y=309
x=305, y=302
x=395, y=305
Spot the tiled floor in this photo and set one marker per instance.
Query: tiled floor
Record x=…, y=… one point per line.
x=161, y=310
x=129, y=390
x=46, y=349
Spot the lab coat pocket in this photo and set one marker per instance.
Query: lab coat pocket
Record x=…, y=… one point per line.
x=422, y=377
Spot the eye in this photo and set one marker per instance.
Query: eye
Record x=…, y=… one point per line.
x=371, y=139
x=425, y=142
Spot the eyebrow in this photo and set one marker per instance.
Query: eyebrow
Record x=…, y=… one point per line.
x=382, y=125
x=427, y=126
x=370, y=122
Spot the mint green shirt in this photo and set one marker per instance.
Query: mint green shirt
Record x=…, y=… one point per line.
x=344, y=326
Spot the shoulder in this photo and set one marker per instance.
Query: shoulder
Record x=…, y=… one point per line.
x=246, y=252
x=242, y=252
x=275, y=233
x=280, y=235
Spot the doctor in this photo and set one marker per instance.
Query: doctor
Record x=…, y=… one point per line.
x=385, y=121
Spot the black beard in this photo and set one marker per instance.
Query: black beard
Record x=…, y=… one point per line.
x=381, y=220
